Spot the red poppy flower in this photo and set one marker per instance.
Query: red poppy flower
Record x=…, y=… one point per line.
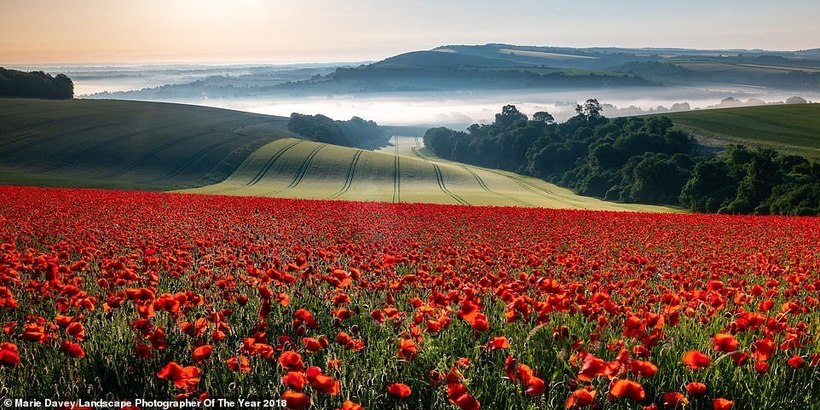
x=77, y=331
x=349, y=405
x=9, y=355
x=498, y=342
x=740, y=358
x=725, y=343
x=321, y=381
x=407, y=349
x=591, y=368
x=72, y=349
x=307, y=317
x=343, y=338
x=296, y=400
x=696, y=360
x=294, y=380
x=627, y=389
x=696, y=389
x=239, y=364
x=312, y=345
x=34, y=333
x=202, y=353
x=722, y=404
x=535, y=386
x=291, y=361
x=581, y=398
x=763, y=349
x=643, y=368
x=183, y=377
x=400, y=390
x=465, y=401
x=675, y=400
x=796, y=362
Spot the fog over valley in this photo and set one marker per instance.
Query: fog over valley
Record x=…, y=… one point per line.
x=252, y=88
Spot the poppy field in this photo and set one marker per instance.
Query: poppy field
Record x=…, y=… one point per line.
x=348, y=305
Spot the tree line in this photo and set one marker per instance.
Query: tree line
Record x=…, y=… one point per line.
x=635, y=159
x=35, y=84
x=355, y=132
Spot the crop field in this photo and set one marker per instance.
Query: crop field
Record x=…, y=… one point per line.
x=126, y=144
x=717, y=67
x=157, y=146
x=337, y=304
x=293, y=168
x=791, y=129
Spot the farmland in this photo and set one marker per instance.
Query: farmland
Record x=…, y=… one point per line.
x=293, y=168
x=126, y=144
x=790, y=128
x=330, y=304
x=156, y=146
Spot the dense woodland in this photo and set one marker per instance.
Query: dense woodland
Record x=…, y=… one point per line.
x=35, y=84
x=355, y=132
x=635, y=159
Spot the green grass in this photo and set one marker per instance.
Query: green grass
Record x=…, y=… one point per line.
x=792, y=129
x=403, y=172
x=126, y=144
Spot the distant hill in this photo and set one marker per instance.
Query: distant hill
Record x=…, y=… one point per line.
x=506, y=66
x=791, y=129
x=513, y=67
x=447, y=68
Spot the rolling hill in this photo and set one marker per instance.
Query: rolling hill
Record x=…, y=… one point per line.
x=791, y=129
x=126, y=144
x=158, y=146
x=295, y=168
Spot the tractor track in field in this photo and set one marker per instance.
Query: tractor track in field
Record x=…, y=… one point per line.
x=45, y=139
x=79, y=155
x=536, y=190
x=351, y=171
x=487, y=189
x=268, y=165
x=20, y=137
x=150, y=154
x=439, y=174
x=181, y=167
x=477, y=177
x=302, y=169
x=396, y=175
x=440, y=180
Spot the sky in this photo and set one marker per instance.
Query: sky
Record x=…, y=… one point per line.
x=277, y=31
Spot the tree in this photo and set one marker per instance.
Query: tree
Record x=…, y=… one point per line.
x=509, y=116
x=35, y=84
x=544, y=117
x=761, y=177
x=590, y=110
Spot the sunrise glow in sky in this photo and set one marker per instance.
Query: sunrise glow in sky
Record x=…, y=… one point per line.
x=146, y=31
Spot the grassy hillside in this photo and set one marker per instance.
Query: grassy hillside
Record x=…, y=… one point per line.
x=156, y=146
x=793, y=129
x=295, y=168
x=125, y=144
